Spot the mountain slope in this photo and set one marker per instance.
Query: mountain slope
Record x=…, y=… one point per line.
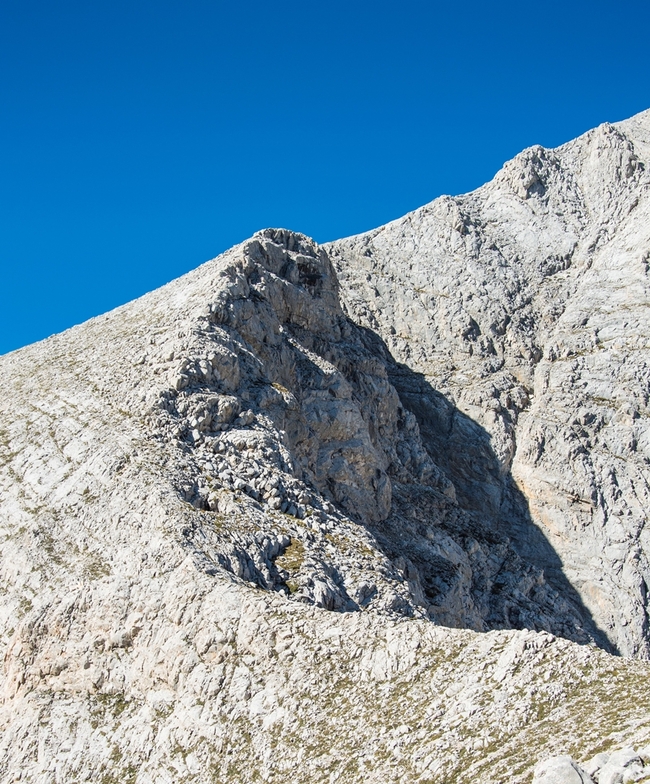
x=525, y=304
x=240, y=514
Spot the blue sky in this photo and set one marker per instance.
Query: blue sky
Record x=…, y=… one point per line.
x=140, y=138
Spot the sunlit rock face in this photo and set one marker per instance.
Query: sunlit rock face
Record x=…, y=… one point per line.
x=525, y=303
x=372, y=511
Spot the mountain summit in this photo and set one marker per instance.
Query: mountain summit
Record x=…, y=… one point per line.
x=369, y=511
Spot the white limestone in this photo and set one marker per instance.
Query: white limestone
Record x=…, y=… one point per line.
x=364, y=513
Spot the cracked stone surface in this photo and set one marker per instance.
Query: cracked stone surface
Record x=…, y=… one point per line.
x=373, y=511
x=525, y=303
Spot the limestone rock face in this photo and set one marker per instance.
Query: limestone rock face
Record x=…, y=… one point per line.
x=370, y=512
x=525, y=304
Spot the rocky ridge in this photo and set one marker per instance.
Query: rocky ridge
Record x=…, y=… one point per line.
x=524, y=305
x=241, y=514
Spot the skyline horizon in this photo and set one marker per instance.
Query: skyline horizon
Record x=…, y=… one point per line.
x=140, y=141
x=319, y=242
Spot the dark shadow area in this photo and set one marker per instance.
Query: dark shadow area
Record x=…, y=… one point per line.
x=510, y=573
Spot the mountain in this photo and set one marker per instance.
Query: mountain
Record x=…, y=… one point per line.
x=525, y=305
x=369, y=511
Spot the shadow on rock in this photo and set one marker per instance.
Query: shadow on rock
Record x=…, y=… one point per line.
x=479, y=561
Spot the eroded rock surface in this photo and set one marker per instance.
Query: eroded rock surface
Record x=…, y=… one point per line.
x=525, y=304
x=622, y=766
x=240, y=515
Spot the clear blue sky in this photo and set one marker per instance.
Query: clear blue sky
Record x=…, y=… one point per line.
x=140, y=138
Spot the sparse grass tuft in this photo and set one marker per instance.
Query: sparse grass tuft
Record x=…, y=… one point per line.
x=292, y=558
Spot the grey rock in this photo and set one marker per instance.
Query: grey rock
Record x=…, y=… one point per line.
x=458, y=398
x=596, y=763
x=623, y=766
x=560, y=770
x=524, y=307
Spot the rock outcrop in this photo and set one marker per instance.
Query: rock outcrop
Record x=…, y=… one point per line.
x=525, y=304
x=372, y=512
x=623, y=766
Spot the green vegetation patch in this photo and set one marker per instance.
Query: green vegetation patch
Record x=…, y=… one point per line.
x=292, y=558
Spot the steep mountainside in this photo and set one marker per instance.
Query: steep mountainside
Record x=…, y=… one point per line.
x=525, y=306
x=369, y=512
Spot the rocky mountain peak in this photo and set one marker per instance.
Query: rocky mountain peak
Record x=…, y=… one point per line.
x=391, y=491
